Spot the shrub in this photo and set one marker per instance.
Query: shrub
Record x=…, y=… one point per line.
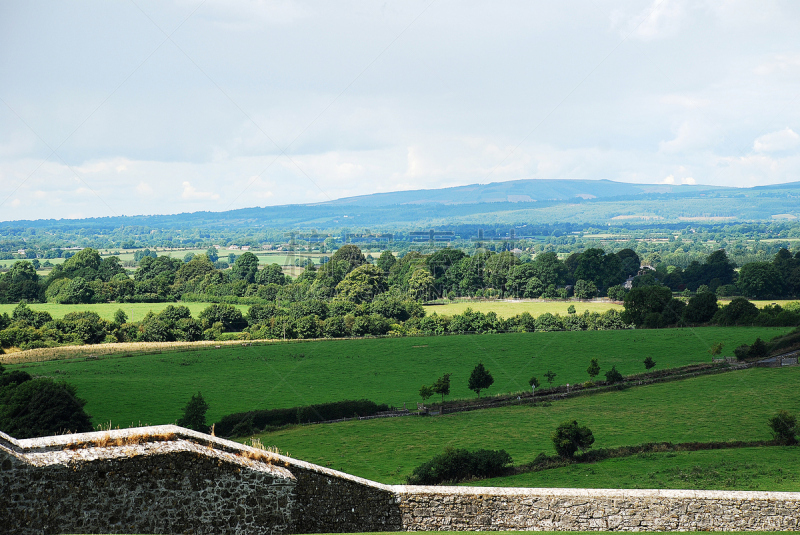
x=569, y=437
x=194, y=414
x=40, y=407
x=784, y=427
x=456, y=465
x=613, y=376
x=245, y=423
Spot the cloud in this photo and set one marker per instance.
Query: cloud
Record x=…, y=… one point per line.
x=780, y=141
x=678, y=181
x=191, y=194
x=663, y=18
x=144, y=188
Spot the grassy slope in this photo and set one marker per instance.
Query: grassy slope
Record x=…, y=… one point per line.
x=135, y=311
x=154, y=388
x=767, y=468
x=507, y=309
x=731, y=406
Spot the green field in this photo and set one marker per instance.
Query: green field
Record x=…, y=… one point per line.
x=507, y=309
x=135, y=311
x=726, y=407
x=154, y=388
x=764, y=468
x=535, y=307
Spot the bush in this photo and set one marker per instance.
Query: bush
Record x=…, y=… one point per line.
x=194, y=414
x=613, y=376
x=784, y=427
x=40, y=407
x=456, y=465
x=569, y=437
x=245, y=423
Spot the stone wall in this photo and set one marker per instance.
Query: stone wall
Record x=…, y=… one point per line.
x=167, y=479
x=499, y=509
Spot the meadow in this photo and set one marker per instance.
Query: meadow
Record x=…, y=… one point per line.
x=769, y=468
x=135, y=311
x=535, y=307
x=507, y=309
x=726, y=407
x=154, y=388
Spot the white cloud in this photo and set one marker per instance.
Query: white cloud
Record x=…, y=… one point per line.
x=144, y=189
x=661, y=19
x=782, y=140
x=191, y=194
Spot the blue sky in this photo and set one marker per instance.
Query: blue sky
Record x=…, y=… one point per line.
x=140, y=107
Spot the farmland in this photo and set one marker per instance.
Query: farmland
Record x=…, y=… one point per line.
x=763, y=468
x=135, y=311
x=507, y=309
x=154, y=388
x=731, y=406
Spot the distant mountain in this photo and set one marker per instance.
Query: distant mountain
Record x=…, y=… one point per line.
x=514, y=202
x=530, y=190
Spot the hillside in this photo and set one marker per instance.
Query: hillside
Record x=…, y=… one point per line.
x=514, y=202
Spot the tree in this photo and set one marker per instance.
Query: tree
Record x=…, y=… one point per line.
x=760, y=280
x=585, y=289
x=212, y=254
x=570, y=437
x=40, y=407
x=593, y=369
x=425, y=392
x=758, y=350
x=245, y=268
x=420, y=285
x=784, y=427
x=716, y=349
x=362, y=284
x=442, y=386
x=480, y=379
x=550, y=376
x=120, y=317
x=613, y=376
x=194, y=414
x=533, y=382
x=386, y=261
x=649, y=363
x=701, y=308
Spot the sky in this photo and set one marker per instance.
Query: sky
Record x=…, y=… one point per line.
x=157, y=107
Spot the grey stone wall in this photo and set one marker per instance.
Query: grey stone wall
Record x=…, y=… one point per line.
x=167, y=479
x=498, y=509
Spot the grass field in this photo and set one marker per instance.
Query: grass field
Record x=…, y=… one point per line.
x=731, y=406
x=154, y=388
x=135, y=311
x=764, y=468
x=535, y=307
x=507, y=309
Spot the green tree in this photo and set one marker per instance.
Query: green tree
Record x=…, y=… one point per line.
x=40, y=407
x=351, y=255
x=194, y=414
x=760, y=280
x=550, y=376
x=480, y=379
x=420, y=285
x=594, y=369
x=613, y=376
x=425, y=392
x=716, y=349
x=386, y=261
x=784, y=428
x=245, y=268
x=120, y=317
x=212, y=254
x=758, y=350
x=533, y=382
x=442, y=386
x=649, y=363
x=570, y=437
x=585, y=289
x=362, y=284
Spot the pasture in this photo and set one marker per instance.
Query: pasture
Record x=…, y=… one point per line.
x=535, y=307
x=510, y=308
x=154, y=388
x=726, y=407
x=764, y=468
x=135, y=311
